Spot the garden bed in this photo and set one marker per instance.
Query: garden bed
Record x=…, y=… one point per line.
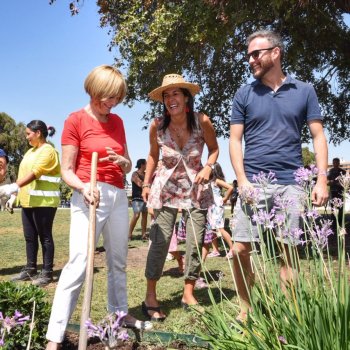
x=71, y=342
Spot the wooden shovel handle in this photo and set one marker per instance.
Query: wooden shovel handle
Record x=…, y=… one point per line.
x=85, y=312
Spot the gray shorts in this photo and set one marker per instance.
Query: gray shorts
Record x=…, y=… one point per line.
x=244, y=229
x=138, y=206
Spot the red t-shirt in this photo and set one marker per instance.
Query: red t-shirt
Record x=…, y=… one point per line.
x=90, y=135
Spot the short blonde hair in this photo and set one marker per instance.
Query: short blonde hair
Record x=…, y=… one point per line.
x=104, y=82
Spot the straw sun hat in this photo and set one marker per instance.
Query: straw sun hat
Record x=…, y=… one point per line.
x=173, y=81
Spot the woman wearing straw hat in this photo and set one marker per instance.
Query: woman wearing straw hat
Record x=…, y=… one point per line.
x=181, y=182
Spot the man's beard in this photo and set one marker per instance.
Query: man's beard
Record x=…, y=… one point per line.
x=264, y=68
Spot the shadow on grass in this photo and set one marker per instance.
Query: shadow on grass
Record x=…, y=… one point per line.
x=10, y=270
x=173, y=301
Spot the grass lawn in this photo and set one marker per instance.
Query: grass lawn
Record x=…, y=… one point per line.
x=13, y=258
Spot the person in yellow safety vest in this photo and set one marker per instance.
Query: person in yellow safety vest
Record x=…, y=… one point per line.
x=37, y=190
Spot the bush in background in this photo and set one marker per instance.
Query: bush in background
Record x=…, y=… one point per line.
x=21, y=297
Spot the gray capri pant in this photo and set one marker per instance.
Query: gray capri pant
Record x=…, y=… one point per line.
x=160, y=236
x=246, y=230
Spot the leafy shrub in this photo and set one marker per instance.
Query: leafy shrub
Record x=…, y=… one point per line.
x=21, y=297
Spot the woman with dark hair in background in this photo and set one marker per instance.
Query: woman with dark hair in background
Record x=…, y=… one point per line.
x=38, y=179
x=234, y=195
x=137, y=202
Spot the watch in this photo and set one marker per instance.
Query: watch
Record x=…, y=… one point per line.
x=210, y=165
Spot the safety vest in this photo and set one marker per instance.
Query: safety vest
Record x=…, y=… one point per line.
x=44, y=192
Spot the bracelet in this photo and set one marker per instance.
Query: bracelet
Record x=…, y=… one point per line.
x=146, y=185
x=322, y=172
x=210, y=165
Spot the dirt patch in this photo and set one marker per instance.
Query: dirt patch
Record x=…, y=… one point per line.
x=137, y=257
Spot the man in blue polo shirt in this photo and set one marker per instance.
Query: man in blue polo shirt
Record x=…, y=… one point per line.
x=270, y=113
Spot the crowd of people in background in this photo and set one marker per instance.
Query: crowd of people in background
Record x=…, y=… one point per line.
x=185, y=196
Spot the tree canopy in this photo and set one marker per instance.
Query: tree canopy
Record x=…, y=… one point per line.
x=308, y=157
x=13, y=142
x=205, y=40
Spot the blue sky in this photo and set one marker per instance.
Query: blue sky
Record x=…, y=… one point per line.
x=46, y=55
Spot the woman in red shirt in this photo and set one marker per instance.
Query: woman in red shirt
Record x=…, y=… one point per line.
x=95, y=129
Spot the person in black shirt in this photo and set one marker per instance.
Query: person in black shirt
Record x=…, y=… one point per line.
x=234, y=195
x=336, y=189
x=138, y=205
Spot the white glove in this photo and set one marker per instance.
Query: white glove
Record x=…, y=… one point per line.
x=7, y=190
x=9, y=203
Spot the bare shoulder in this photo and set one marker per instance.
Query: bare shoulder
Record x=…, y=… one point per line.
x=203, y=118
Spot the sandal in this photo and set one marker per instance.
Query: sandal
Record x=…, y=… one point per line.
x=213, y=255
x=200, y=283
x=145, y=310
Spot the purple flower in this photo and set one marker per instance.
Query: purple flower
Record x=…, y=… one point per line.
x=8, y=323
x=319, y=235
x=264, y=179
x=280, y=219
x=313, y=214
x=283, y=203
x=294, y=235
x=120, y=317
x=282, y=340
x=264, y=218
x=108, y=330
x=249, y=195
x=304, y=177
x=19, y=318
x=344, y=181
x=337, y=202
x=123, y=336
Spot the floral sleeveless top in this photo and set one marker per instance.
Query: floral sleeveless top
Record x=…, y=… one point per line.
x=173, y=185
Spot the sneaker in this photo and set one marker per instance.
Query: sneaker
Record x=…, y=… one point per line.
x=229, y=255
x=43, y=279
x=213, y=255
x=26, y=274
x=200, y=283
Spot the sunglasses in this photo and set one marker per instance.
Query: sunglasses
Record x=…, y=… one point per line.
x=256, y=53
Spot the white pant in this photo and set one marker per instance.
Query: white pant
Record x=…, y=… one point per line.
x=112, y=219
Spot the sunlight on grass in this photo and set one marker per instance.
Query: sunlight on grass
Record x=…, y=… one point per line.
x=170, y=286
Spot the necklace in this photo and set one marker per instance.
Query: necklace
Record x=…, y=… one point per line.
x=179, y=132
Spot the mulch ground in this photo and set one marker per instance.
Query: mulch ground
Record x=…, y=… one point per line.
x=71, y=342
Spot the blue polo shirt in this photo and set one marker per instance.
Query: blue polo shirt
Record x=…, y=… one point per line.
x=273, y=123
